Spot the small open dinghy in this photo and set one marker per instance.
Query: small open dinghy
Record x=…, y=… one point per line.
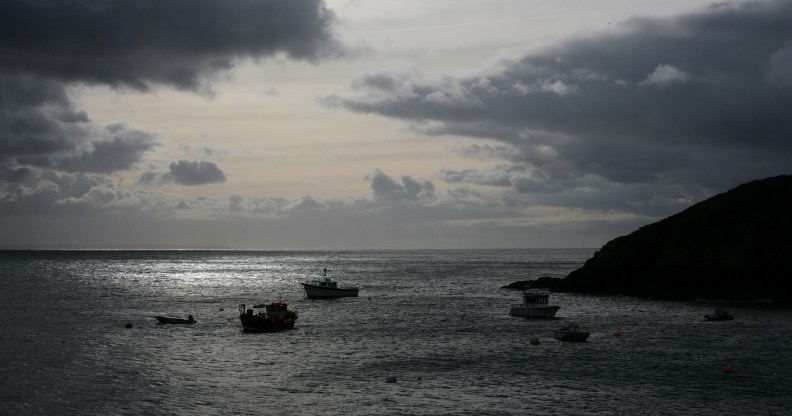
x=167, y=320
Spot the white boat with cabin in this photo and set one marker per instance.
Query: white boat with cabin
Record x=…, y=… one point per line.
x=327, y=288
x=535, y=305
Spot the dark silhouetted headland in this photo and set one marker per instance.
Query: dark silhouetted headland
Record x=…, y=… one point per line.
x=734, y=246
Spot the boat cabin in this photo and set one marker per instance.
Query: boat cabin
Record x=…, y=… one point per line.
x=535, y=299
x=276, y=308
x=262, y=309
x=326, y=282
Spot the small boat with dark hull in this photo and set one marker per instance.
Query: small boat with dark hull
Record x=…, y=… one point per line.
x=535, y=305
x=719, y=315
x=168, y=320
x=327, y=288
x=572, y=333
x=267, y=317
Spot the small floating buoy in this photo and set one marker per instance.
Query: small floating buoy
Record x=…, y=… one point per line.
x=535, y=341
x=390, y=379
x=617, y=333
x=128, y=325
x=220, y=310
x=728, y=369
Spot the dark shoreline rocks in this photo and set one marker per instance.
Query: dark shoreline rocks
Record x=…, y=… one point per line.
x=518, y=285
x=544, y=282
x=734, y=246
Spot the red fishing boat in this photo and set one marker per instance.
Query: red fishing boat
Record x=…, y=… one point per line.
x=267, y=317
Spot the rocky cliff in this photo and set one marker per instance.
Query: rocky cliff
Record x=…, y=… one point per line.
x=735, y=245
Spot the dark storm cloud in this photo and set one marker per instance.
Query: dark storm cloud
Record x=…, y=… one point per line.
x=40, y=127
x=123, y=148
x=13, y=176
x=45, y=45
x=175, y=42
x=36, y=117
x=698, y=100
x=28, y=191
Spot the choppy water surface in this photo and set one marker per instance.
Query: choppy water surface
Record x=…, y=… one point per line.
x=436, y=320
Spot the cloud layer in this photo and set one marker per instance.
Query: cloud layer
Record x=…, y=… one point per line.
x=48, y=144
x=579, y=141
x=186, y=172
x=87, y=210
x=671, y=108
x=136, y=43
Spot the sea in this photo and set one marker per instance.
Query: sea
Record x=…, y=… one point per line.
x=430, y=334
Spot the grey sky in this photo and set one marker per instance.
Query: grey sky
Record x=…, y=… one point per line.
x=305, y=124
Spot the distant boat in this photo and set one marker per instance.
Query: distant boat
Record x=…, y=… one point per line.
x=267, y=317
x=572, y=332
x=719, y=315
x=167, y=320
x=535, y=305
x=327, y=288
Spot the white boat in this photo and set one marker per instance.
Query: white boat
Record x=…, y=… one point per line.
x=327, y=288
x=535, y=305
x=572, y=332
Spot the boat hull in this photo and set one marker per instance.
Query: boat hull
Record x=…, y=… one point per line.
x=317, y=292
x=718, y=317
x=257, y=324
x=571, y=336
x=539, y=312
x=166, y=320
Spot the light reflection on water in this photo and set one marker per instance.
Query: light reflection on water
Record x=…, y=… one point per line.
x=436, y=320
